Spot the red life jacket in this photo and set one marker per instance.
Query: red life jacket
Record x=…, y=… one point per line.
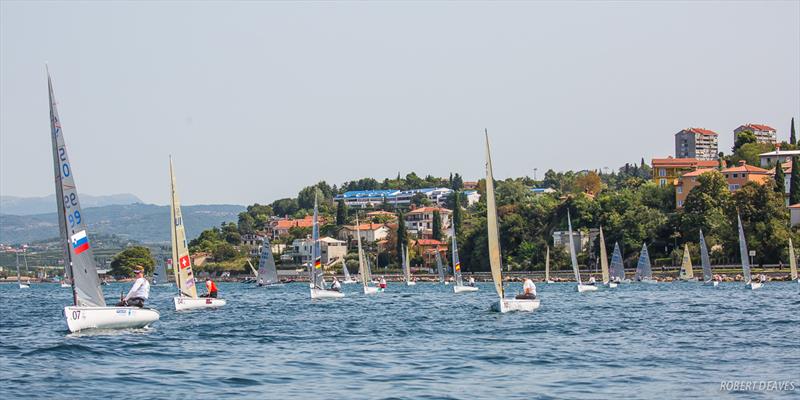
x=211, y=286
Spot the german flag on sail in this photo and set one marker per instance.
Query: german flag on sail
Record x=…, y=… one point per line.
x=318, y=263
x=458, y=266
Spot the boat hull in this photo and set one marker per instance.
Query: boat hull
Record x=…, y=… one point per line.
x=610, y=285
x=349, y=282
x=372, y=290
x=509, y=305
x=754, y=285
x=649, y=281
x=66, y=285
x=711, y=283
x=271, y=285
x=188, y=303
x=325, y=294
x=691, y=280
x=462, y=289
x=83, y=318
x=24, y=286
x=586, y=288
x=411, y=283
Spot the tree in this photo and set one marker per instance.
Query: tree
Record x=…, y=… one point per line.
x=437, y=225
x=588, y=183
x=794, y=183
x=224, y=252
x=341, y=213
x=456, y=205
x=285, y=207
x=780, y=178
x=402, y=236
x=457, y=183
x=743, y=138
x=792, y=136
x=246, y=223
x=749, y=152
x=122, y=264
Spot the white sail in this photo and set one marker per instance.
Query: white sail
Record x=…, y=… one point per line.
x=345, y=271
x=705, y=260
x=792, y=261
x=253, y=269
x=406, y=264
x=267, y=271
x=617, y=267
x=78, y=255
x=456, y=262
x=687, y=272
x=440, y=266
x=362, y=266
x=643, y=269
x=743, y=253
x=491, y=225
x=547, y=265
x=572, y=256
x=19, y=276
x=604, y=258
x=181, y=262
x=160, y=274
x=317, y=275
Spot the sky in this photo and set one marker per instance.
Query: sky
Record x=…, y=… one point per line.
x=255, y=100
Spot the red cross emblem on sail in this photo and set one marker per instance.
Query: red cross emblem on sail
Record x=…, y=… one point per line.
x=184, y=262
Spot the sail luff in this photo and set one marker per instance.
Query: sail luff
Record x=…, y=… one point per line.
x=440, y=266
x=686, y=266
x=792, y=261
x=181, y=261
x=491, y=225
x=743, y=253
x=604, y=258
x=456, y=262
x=705, y=260
x=80, y=255
x=572, y=256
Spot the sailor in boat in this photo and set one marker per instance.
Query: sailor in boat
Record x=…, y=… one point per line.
x=260, y=281
x=471, y=281
x=592, y=281
x=211, y=287
x=139, y=292
x=528, y=290
x=382, y=283
x=336, y=285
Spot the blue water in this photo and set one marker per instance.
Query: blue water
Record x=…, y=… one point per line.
x=677, y=340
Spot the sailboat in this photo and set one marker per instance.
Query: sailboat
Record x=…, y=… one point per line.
x=316, y=274
x=363, y=265
x=617, y=267
x=347, y=278
x=705, y=262
x=644, y=272
x=407, y=267
x=187, y=298
x=604, y=262
x=459, y=287
x=440, y=267
x=267, y=274
x=792, y=263
x=547, y=266
x=743, y=253
x=26, y=285
x=160, y=276
x=503, y=304
x=687, y=272
x=89, y=308
x=574, y=259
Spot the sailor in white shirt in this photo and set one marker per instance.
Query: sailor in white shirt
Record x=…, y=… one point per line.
x=335, y=285
x=528, y=290
x=139, y=292
x=471, y=281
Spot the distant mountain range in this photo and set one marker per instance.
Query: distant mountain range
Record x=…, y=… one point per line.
x=39, y=205
x=147, y=223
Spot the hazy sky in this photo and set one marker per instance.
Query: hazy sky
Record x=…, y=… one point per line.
x=255, y=100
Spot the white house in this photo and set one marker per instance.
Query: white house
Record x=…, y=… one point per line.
x=369, y=232
x=582, y=240
x=419, y=221
x=771, y=158
x=794, y=210
x=330, y=250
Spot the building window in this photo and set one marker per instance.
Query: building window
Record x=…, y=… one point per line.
x=680, y=189
x=680, y=203
x=735, y=175
x=662, y=172
x=663, y=182
x=733, y=187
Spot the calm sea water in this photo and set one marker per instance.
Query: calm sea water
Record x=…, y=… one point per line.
x=676, y=340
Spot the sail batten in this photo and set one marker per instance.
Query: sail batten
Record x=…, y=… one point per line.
x=181, y=262
x=79, y=260
x=604, y=258
x=491, y=225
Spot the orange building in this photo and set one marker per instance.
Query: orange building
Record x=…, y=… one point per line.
x=666, y=171
x=685, y=183
x=739, y=175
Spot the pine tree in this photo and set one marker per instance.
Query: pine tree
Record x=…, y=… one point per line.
x=457, y=211
x=437, y=225
x=341, y=213
x=793, y=137
x=794, y=183
x=780, y=186
x=401, y=236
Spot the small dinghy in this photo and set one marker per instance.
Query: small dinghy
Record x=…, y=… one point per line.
x=617, y=267
x=187, y=298
x=364, y=271
x=409, y=281
x=792, y=263
x=743, y=253
x=687, y=272
x=547, y=266
x=89, y=310
x=604, y=263
x=644, y=272
x=503, y=304
x=27, y=284
x=705, y=263
x=573, y=257
x=316, y=274
x=459, y=286
x=267, y=274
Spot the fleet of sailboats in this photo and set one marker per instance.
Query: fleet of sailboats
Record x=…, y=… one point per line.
x=185, y=280
x=89, y=309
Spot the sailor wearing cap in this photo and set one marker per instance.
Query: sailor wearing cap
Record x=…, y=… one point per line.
x=139, y=292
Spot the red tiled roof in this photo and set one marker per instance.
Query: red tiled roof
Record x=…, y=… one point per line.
x=430, y=242
x=795, y=205
x=746, y=168
x=423, y=210
x=306, y=222
x=682, y=162
x=759, y=127
x=702, y=131
x=698, y=172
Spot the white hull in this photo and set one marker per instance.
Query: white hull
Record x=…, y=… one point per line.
x=507, y=305
x=649, y=281
x=691, y=280
x=271, y=285
x=66, y=285
x=711, y=283
x=626, y=280
x=349, y=282
x=188, y=303
x=372, y=290
x=24, y=286
x=754, y=285
x=82, y=318
x=549, y=281
x=586, y=288
x=461, y=289
x=610, y=285
x=325, y=294
x=411, y=283
x=447, y=283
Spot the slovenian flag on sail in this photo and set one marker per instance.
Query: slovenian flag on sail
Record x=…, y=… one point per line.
x=317, y=263
x=80, y=242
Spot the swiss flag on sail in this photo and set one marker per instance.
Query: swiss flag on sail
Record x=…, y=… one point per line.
x=184, y=261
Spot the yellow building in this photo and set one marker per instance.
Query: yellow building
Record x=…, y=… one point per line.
x=666, y=171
